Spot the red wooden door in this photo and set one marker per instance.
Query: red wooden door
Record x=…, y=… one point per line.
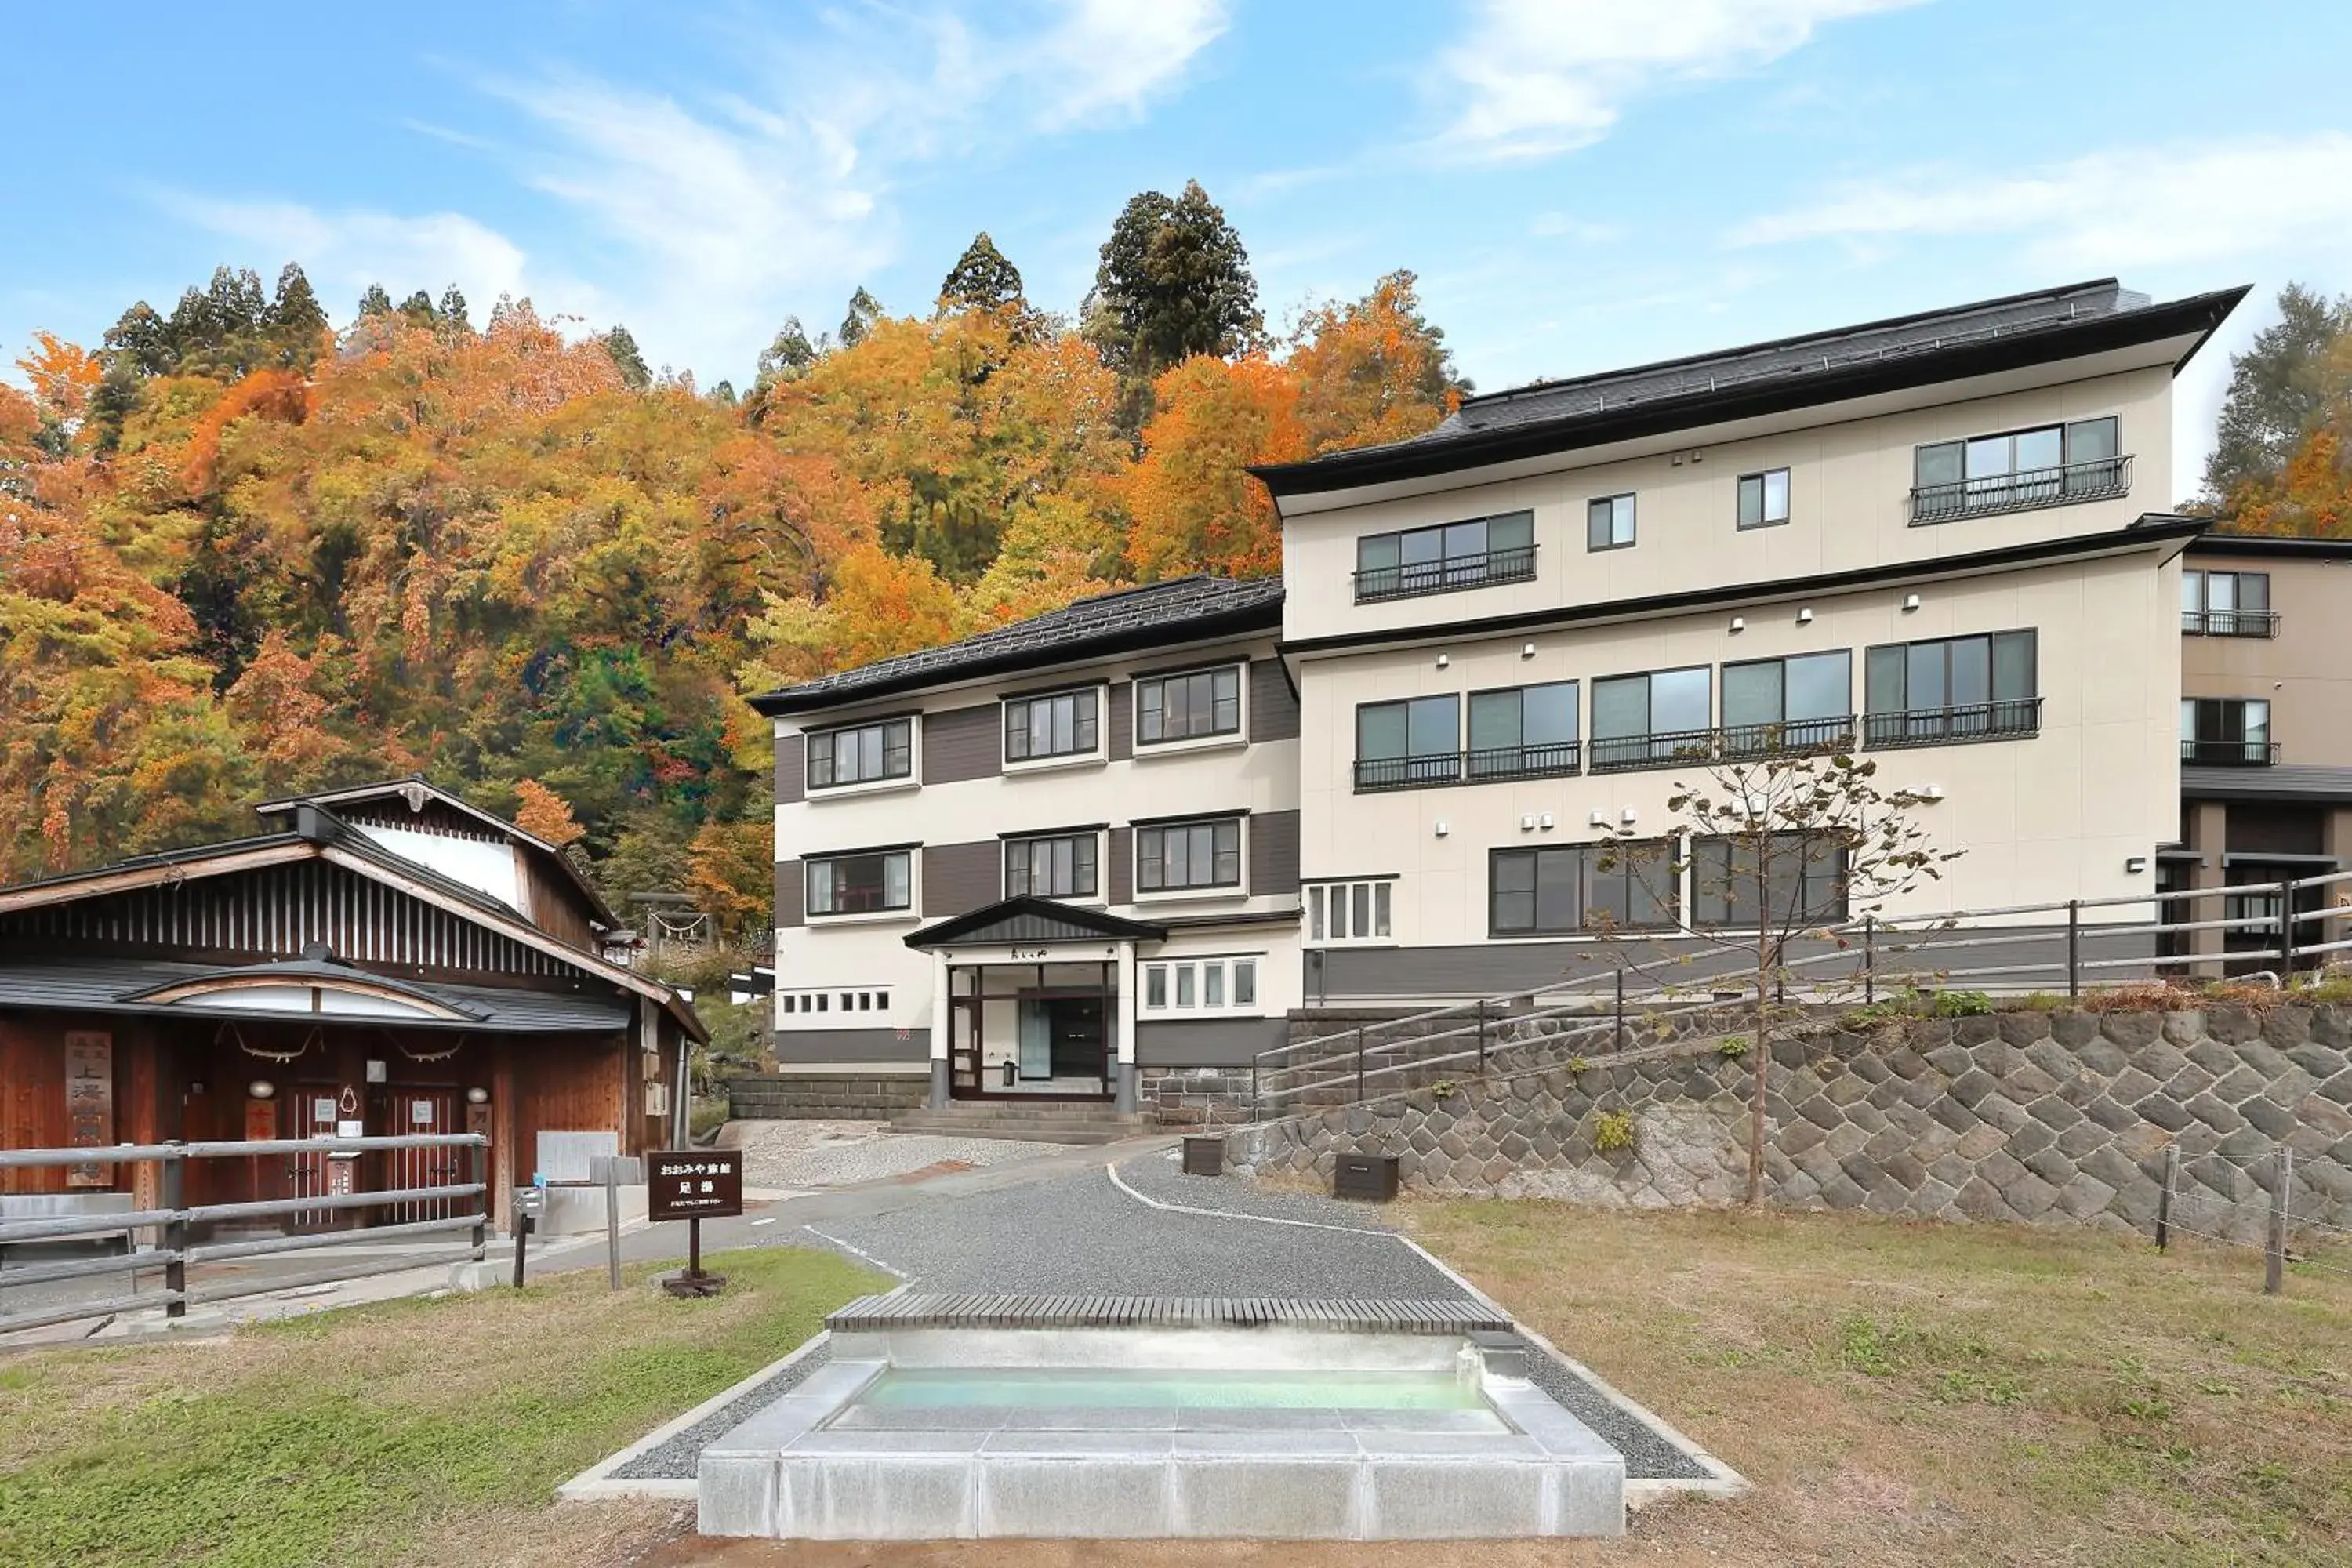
x=312, y=1109
x=417, y=1111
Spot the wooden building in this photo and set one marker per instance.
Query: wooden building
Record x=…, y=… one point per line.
x=380, y=960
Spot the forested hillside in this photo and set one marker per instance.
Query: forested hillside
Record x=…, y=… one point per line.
x=242, y=553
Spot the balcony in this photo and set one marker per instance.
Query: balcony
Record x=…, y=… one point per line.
x=1729, y=744
x=1555, y=759
x=1415, y=578
x=2230, y=753
x=2100, y=478
x=2007, y=720
x=2228, y=622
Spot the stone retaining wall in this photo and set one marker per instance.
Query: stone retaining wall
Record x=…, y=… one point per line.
x=2053, y=1117
x=825, y=1096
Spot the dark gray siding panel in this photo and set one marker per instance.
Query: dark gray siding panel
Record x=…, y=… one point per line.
x=851, y=1046
x=791, y=895
x=960, y=877
x=1122, y=865
x=1121, y=719
x=1207, y=1042
x=1273, y=710
x=961, y=744
x=792, y=769
x=1274, y=853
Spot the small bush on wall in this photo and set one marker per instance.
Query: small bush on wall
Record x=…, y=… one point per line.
x=1612, y=1131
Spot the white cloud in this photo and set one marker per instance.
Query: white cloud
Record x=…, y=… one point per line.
x=1108, y=58
x=2144, y=207
x=1544, y=77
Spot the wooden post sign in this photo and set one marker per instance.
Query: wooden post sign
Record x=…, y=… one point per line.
x=694, y=1184
x=90, y=1102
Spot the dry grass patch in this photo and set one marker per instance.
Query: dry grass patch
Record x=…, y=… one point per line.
x=1908, y=1392
x=415, y=1430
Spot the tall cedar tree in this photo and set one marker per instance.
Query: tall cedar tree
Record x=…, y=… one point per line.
x=982, y=278
x=1174, y=281
x=2278, y=393
x=621, y=344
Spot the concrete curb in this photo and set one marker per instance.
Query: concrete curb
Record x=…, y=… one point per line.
x=597, y=1483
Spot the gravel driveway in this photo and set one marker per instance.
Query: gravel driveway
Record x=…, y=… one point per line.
x=799, y=1155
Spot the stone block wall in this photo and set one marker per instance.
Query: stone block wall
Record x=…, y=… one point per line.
x=2050, y=1118
x=1186, y=1099
x=825, y=1096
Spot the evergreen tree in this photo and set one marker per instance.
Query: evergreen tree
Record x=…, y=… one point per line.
x=864, y=310
x=453, y=309
x=296, y=320
x=140, y=340
x=790, y=355
x=623, y=347
x=2278, y=392
x=724, y=392
x=1174, y=281
x=374, y=302
x=982, y=278
x=418, y=308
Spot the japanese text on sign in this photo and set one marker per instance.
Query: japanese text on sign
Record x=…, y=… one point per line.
x=694, y=1184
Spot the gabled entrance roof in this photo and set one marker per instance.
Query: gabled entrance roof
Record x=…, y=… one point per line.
x=1033, y=919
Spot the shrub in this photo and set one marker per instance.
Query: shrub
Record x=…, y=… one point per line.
x=1960, y=1004
x=1733, y=1047
x=1580, y=1064
x=1612, y=1131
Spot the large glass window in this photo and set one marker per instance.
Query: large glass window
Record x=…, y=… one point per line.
x=870, y=751
x=1608, y=522
x=1062, y=725
x=1779, y=704
x=1764, y=499
x=1523, y=730
x=1188, y=707
x=1571, y=889
x=2038, y=466
x=1454, y=555
x=1793, y=879
x=2228, y=731
x=861, y=884
x=1951, y=688
x=2226, y=605
x=1189, y=855
x=1414, y=741
x=1638, y=720
x=1061, y=866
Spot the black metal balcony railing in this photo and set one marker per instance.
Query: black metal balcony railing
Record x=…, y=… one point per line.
x=1515, y=565
x=1733, y=742
x=2230, y=753
x=1552, y=759
x=2097, y=480
x=1971, y=722
x=2229, y=623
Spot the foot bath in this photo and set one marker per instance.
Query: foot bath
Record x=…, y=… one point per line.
x=958, y=1417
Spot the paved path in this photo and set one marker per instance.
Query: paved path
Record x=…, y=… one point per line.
x=804, y=1155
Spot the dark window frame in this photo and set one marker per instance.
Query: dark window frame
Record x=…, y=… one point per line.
x=1587, y=859
x=1022, y=845
x=880, y=858
x=1447, y=573
x=1594, y=545
x=2239, y=621
x=1762, y=478
x=1557, y=758
x=1160, y=684
x=1716, y=890
x=1754, y=738
x=2013, y=717
x=831, y=752
x=2229, y=741
x=1080, y=724
x=1600, y=760
x=1155, y=836
x=2069, y=481
x=1412, y=767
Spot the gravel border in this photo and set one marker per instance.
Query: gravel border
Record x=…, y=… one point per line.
x=679, y=1458
x=1161, y=1175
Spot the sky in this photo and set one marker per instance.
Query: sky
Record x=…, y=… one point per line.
x=1578, y=183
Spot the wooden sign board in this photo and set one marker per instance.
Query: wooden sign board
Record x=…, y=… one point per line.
x=260, y=1120
x=90, y=1102
x=694, y=1184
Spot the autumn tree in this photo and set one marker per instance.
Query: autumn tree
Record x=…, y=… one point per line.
x=1196, y=508
x=2280, y=387
x=543, y=814
x=1376, y=370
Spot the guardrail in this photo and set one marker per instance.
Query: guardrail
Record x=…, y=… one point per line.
x=176, y=1253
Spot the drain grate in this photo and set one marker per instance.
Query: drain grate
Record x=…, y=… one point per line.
x=986, y=1312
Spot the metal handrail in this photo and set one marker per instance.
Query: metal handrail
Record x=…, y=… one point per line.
x=1490, y=765
x=2230, y=753
x=2229, y=623
x=1407, y=580
x=1775, y=738
x=2096, y=479
x=2005, y=716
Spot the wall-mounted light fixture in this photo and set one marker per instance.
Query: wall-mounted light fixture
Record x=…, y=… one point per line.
x=261, y=1088
x=477, y=1096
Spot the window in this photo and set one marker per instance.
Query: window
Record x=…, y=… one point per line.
x=2226, y=605
x=1200, y=986
x=1348, y=912
x=1189, y=855
x=1788, y=704
x=2227, y=731
x=1764, y=499
x=1067, y=724
x=2046, y=465
x=1951, y=688
x=1642, y=720
x=861, y=884
x=1524, y=732
x=1456, y=555
x=1800, y=882
x=1415, y=741
x=1571, y=890
x=1188, y=707
x=1062, y=866
x=870, y=751
x=1608, y=522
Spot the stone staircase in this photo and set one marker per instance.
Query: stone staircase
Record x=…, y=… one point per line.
x=1047, y=1123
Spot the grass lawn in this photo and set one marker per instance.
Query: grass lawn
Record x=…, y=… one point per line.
x=410, y=1431
x=1919, y=1393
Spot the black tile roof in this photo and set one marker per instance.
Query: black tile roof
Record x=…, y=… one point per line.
x=1157, y=614
x=1816, y=367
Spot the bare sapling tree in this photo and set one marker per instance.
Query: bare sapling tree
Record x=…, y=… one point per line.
x=1781, y=850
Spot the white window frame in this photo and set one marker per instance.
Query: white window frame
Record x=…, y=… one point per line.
x=866, y=917
x=1190, y=975
x=1143, y=750
x=1378, y=899
x=912, y=779
x=1009, y=763
x=1237, y=889
x=1099, y=898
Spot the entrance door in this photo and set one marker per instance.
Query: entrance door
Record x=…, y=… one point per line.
x=418, y=1112
x=310, y=1175
x=1079, y=1046
x=1036, y=1038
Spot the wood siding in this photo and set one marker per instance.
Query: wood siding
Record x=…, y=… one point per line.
x=961, y=744
x=792, y=769
x=1274, y=853
x=960, y=877
x=1122, y=866
x=1274, y=707
x=1121, y=719
x=791, y=895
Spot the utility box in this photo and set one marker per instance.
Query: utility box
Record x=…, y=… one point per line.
x=1204, y=1156
x=1369, y=1178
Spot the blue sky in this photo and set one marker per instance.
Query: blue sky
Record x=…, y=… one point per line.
x=1580, y=184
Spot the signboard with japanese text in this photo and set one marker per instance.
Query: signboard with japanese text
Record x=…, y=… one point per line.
x=90, y=1102
x=694, y=1184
